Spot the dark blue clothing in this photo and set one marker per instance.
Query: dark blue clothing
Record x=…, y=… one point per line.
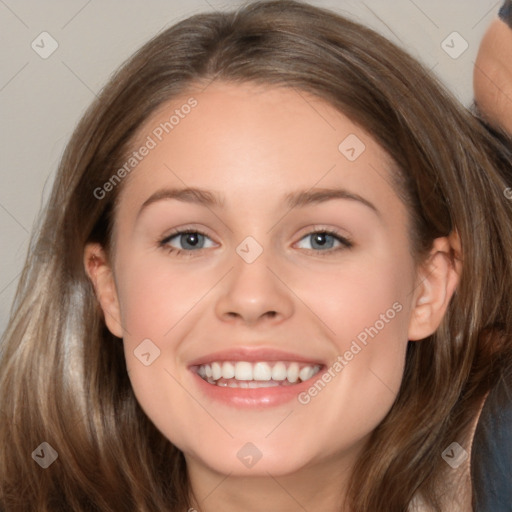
x=491, y=454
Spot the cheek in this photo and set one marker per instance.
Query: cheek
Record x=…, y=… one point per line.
x=365, y=306
x=161, y=304
x=158, y=305
x=353, y=296
x=155, y=295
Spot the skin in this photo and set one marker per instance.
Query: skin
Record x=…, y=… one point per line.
x=492, y=76
x=253, y=145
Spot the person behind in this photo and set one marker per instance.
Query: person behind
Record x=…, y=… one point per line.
x=492, y=75
x=491, y=460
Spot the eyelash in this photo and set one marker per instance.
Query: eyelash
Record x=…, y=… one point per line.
x=346, y=243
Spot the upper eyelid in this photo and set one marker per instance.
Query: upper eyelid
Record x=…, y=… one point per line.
x=183, y=231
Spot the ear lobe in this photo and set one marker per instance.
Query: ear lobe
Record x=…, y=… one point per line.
x=100, y=273
x=437, y=282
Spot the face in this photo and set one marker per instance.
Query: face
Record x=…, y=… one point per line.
x=492, y=76
x=271, y=335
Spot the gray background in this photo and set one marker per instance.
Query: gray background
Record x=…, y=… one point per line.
x=41, y=100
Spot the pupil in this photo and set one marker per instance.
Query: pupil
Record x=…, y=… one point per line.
x=192, y=239
x=320, y=238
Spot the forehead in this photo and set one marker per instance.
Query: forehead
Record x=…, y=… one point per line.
x=250, y=143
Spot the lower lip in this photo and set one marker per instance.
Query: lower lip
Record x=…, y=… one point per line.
x=255, y=397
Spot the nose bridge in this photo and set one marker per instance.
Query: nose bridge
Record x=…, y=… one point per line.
x=252, y=291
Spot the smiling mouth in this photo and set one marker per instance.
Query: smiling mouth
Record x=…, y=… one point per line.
x=261, y=374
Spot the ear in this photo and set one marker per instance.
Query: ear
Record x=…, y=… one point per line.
x=437, y=281
x=100, y=273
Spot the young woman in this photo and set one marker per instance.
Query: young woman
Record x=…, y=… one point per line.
x=274, y=273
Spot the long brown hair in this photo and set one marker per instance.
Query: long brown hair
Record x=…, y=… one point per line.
x=63, y=374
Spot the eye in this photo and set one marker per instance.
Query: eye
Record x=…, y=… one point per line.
x=325, y=241
x=190, y=240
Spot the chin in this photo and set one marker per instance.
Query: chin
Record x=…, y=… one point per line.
x=257, y=459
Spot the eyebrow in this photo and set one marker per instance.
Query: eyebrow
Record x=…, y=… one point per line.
x=296, y=199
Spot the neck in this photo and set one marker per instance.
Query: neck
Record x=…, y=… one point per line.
x=315, y=487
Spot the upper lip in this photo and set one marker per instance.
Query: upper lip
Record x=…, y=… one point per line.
x=254, y=354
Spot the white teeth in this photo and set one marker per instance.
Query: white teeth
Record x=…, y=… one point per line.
x=262, y=371
x=293, y=372
x=243, y=370
x=228, y=370
x=306, y=373
x=279, y=371
x=216, y=371
x=245, y=374
x=266, y=384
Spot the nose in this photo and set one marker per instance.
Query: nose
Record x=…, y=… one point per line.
x=253, y=293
